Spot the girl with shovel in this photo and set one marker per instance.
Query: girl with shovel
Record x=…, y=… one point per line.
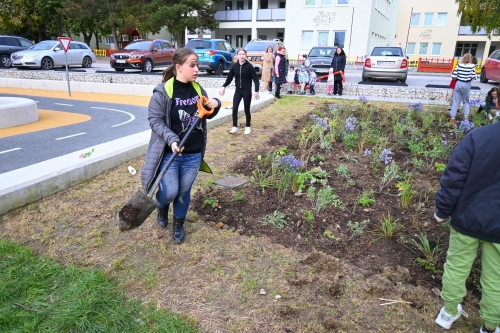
x=172, y=109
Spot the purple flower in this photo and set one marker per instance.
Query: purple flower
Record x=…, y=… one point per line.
x=444, y=143
x=384, y=157
x=362, y=99
x=367, y=152
x=323, y=123
x=416, y=106
x=289, y=163
x=466, y=126
x=475, y=102
x=350, y=124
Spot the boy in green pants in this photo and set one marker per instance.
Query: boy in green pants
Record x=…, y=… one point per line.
x=470, y=194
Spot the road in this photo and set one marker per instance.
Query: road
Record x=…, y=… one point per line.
x=109, y=121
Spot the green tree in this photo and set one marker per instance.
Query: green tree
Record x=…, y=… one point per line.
x=177, y=15
x=481, y=14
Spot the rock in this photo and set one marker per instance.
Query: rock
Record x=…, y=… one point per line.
x=277, y=297
x=219, y=225
x=262, y=292
x=299, y=237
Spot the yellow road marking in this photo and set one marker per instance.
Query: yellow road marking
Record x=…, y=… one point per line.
x=48, y=119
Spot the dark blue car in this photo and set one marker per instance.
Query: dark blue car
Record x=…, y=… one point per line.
x=215, y=55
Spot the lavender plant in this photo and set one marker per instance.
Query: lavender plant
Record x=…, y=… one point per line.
x=325, y=196
x=391, y=171
x=385, y=156
x=288, y=168
x=416, y=106
x=367, y=152
x=350, y=133
x=466, y=126
x=362, y=99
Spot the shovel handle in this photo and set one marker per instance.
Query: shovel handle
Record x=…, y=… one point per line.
x=202, y=111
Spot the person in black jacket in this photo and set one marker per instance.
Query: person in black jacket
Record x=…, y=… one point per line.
x=338, y=65
x=280, y=69
x=243, y=74
x=470, y=194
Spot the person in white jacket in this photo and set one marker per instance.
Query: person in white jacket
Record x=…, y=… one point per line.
x=464, y=73
x=290, y=77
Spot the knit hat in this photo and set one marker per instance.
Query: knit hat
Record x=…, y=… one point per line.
x=302, y=67
x=292, y=66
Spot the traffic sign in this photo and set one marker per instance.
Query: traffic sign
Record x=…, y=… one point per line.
x=65, y=41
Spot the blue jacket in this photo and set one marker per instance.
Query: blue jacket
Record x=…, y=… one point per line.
x=470, y=185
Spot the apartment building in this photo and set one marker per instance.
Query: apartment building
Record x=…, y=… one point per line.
x=355, y=25
x=429, y=28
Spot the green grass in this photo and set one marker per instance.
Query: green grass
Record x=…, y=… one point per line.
x=39, y=295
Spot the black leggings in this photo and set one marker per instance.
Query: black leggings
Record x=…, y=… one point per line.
x=246, y=94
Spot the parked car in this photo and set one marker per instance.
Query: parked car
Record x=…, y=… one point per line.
x=215, y=55
x=143, y=54
x=386, y=62
x=256, y=49
x=9, y=45
x=491, y=68
x=320, y=58
x=50, y=53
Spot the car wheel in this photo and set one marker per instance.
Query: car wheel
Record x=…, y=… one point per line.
x=87, y=62
x=220, y=69
x=404, y=80
x=47, y=63
x=5, y=60
x=148, y=66
x=364, y=78
x=119, y=69
x=482, y=77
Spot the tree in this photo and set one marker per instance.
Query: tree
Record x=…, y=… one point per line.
x=481, y=14
x=177, y=15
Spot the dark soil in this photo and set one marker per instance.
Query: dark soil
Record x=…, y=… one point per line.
x=370, y=251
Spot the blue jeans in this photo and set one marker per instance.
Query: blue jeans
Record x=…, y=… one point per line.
x=483, y=106
x=176, y=184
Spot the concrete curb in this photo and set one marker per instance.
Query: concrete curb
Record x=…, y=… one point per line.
x=29, y=184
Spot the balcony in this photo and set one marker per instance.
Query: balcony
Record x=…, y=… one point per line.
x=277, y=14
x=233, y=15
x=466, y=30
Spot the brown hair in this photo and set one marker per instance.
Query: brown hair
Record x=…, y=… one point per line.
x=241, y=49
x=281, y=48
x=180, y=57
x=467, y=59
x=269, y=46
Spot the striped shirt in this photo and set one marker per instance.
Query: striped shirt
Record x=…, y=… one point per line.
x=464, y=72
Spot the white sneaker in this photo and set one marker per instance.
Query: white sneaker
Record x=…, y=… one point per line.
x=248, y=130
x=233, y=130
x=445, y=320
x=497, y=330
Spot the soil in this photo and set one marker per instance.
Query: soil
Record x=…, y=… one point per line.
x=330, y=232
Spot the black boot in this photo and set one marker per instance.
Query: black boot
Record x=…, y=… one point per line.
x=162, y=217
x=178, y=230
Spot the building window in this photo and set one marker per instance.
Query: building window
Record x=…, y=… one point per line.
x=342, y=2
x=228, y=38
x=436, y=49
x=307, y=39
x=441, y=20
x=410, y=49
x=339, y=39
x=326, y=2
x=322, y=38
x=428, y=18
x=423, y=48
x=109, y=40
x=249, y=38
x=463, y=48
x=310, y=2
x=239, y=5
x=282, y=4
x=264, y=4
x=263, y=37
x=250, y=4
x=239, y=40
x=229, y=5
x=415, y=19
x=280, y=35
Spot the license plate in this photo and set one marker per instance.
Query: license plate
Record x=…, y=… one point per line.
x=121, y=61
x=386, y=63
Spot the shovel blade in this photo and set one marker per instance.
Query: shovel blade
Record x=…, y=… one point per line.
x=135, y=211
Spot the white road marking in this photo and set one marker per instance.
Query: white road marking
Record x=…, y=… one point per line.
x=132, y=117
x=63, y=104
x=8, y=151
x=70, y=136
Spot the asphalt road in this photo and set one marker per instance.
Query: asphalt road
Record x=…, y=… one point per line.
x=109, y=122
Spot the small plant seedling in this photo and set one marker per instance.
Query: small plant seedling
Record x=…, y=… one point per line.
x=212, y=202
x=351, y=182
x=388, y=225
x=329, y=234
x=343, y=171
x=357, y=228
x=238, y=196
x=366, y=198
x=407, y=193
x=87, y=154
x=439, y=167
x=276, y=220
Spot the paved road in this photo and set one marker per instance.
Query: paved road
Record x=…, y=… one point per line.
x=109, y=122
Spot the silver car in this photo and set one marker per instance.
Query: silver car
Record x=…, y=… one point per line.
x=49, y=54
x=386, y=62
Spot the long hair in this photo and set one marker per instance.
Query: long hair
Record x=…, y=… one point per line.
x=467, y=59
x=267, y=49
x=341, y=52
x=180, y=57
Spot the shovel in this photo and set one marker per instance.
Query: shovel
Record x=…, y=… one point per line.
x=137, y=209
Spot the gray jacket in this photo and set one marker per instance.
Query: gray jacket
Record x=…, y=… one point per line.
x=161, y=135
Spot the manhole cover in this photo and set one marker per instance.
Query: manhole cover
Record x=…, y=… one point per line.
x=231, y=182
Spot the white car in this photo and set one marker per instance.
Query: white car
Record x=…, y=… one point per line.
x=49, y=54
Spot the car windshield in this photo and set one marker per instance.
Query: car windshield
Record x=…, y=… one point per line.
x=138, y=46
x=199, y=44
x=43, y=45
x=257, y=46
x=320, y=52
x=387, y=52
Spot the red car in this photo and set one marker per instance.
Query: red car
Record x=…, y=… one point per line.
x=143, y=54
x=491, y=68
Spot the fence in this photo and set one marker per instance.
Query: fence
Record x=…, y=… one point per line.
x=103, y=52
